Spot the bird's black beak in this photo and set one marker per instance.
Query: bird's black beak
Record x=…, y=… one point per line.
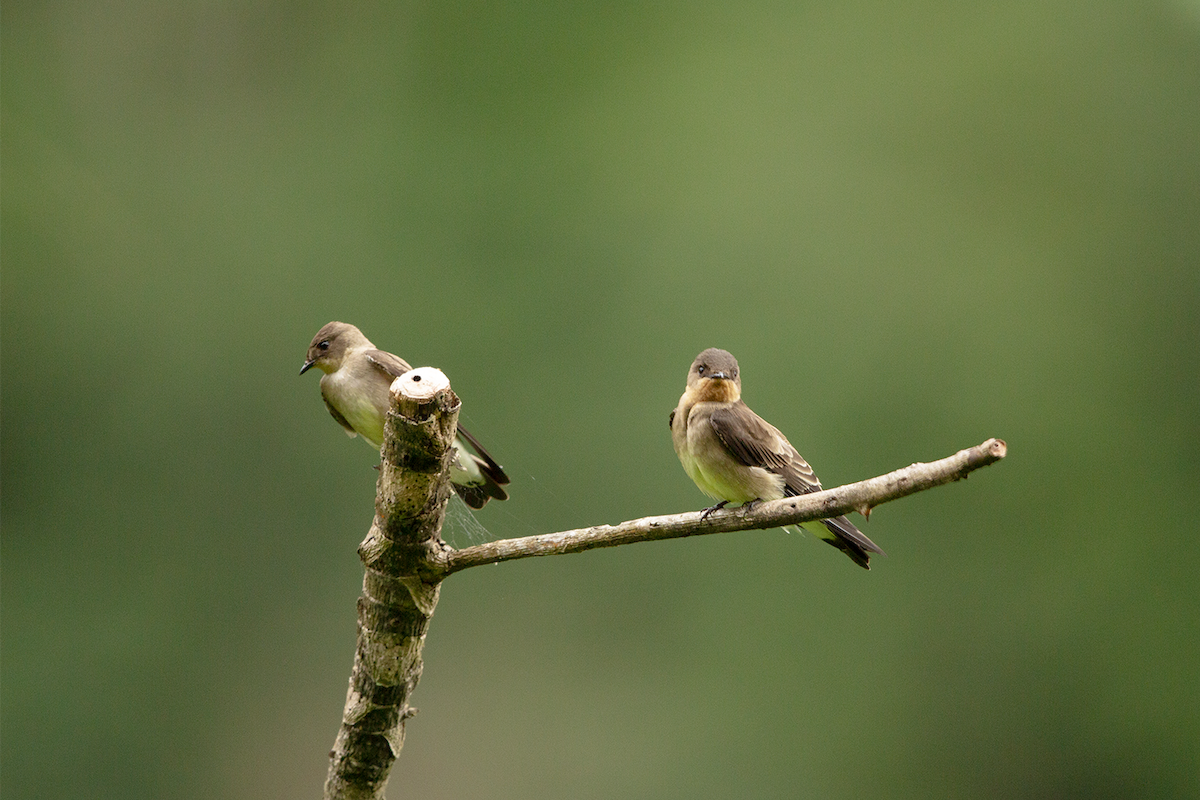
x=718, y=376
x=307, y=366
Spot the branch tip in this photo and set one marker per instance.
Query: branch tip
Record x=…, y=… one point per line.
x=421, y=383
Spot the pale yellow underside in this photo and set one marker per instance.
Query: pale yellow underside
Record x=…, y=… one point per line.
x=724, y=479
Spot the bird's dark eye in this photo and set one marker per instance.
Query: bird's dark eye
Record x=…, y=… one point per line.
x=700, y=369
x=324, y=345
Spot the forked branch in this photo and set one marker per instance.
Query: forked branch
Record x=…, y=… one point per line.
x=406, y=561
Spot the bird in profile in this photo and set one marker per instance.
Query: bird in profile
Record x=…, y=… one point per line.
x=735, y=456
x=355, y=389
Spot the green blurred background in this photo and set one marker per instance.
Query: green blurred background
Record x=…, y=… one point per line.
x=917, y=226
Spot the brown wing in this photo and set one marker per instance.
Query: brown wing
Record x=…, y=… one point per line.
x=388, y=363
x=337, y=415
x=756, y=443
x=799, y=477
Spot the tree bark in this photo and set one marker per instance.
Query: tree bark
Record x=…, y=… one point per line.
x=400, y=591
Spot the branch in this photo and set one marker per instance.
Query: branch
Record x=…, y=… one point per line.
x=860, y=497
x=399, y=591
x=406, y=561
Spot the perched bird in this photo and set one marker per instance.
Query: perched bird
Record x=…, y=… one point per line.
x=735, y=456
x=355, y=389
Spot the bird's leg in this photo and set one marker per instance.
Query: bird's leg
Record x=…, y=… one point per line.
x=711, y=509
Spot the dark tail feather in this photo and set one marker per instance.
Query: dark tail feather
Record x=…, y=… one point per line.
x=476, y=495
x=851, y=541
x=494, y=479
x=486, y=462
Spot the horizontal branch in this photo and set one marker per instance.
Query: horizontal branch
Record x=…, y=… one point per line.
x=860, y=497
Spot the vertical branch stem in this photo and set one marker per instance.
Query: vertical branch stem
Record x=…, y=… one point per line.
x=400, y=591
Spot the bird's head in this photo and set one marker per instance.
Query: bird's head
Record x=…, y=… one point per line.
x=330, y=346
x=714, y=377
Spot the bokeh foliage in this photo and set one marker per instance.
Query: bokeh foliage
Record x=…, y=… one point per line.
x=917, y=225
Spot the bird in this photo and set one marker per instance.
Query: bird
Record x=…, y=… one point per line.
x=735, y=456
x=355, y=390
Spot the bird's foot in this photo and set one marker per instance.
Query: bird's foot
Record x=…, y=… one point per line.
x=711, y=509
